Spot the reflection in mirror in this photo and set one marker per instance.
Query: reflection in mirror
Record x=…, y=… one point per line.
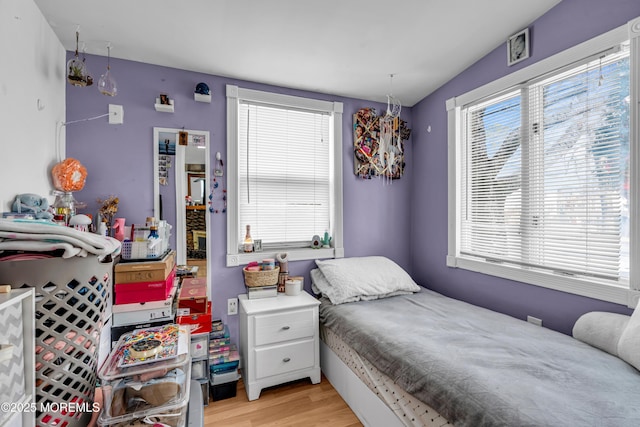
x=181, y=188
x=196, y=187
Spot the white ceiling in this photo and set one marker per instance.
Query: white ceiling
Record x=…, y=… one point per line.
x=340, y=47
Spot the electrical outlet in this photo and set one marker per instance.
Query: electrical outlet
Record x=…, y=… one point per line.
x=534, y=320
x=232, y=306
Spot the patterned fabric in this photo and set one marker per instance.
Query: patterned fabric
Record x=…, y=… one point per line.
x=11, y=369
x=411, y=411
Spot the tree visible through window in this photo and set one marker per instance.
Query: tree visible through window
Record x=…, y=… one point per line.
x=545, y=173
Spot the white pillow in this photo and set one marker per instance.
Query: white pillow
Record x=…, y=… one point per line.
x=629, y=343
x=361, y=278
x=601, y=330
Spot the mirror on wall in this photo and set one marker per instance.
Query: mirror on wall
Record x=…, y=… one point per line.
x=181, y=189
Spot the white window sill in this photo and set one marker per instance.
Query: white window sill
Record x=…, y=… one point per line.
x=294, y=254
x=577, y=286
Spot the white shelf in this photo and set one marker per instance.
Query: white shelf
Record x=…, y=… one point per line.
x=164, y=108
x=202, y=98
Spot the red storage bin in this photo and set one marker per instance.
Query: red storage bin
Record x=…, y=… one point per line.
x=198, y=323
x=128, y=293
x=192, y=298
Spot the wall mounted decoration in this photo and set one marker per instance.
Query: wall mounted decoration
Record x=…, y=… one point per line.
x=166, y=152
x=518, y=47
x=164, y=104
x=183, y=138
x=202, y=93
x=378, y=144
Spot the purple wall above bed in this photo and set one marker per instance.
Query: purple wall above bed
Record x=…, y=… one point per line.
x=119, y=158
x=569, y=23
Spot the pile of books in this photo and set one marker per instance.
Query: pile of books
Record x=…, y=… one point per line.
x=223, y=362
x=223, y=354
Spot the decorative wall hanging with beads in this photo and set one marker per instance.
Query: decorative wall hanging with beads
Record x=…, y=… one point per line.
x=218, y=196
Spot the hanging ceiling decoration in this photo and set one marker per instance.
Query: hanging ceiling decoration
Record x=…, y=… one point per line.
x=107, y=84
x=84, y=61
x=379, y=141
x=393, y=104
x=77, y=73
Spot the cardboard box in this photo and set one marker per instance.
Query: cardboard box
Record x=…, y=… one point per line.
x=129, y=293
x=145, y=271
x=192, y=297
x=146, y=312
x=198, y=323
x=147, y=305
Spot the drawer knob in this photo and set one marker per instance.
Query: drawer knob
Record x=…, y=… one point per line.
x=286, y=328
x=286, y=359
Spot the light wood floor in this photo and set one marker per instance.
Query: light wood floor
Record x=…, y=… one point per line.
x=296, y=404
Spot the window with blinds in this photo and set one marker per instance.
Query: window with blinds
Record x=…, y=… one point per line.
x=284, y=174
x=284, y=169
x=544, y=170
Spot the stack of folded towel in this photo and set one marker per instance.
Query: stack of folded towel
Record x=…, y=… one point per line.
x=45, y=236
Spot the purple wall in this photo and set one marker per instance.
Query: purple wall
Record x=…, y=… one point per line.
x=569, y=23
x=119, y=160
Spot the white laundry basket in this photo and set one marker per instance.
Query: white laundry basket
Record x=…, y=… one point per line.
x=72, y=296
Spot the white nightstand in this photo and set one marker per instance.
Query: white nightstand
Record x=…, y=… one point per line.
x=278, y=341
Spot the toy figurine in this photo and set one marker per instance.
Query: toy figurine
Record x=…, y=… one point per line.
x=326, y=241
x=32, y=203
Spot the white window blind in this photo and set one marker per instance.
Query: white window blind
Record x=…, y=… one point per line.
x=545, y=173
x=284, y=174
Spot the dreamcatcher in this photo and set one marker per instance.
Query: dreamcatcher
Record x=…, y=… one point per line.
x=393, y=104
x=378, y=141
x=390, y=146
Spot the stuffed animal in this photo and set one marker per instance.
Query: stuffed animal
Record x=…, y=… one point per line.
x=32, y=203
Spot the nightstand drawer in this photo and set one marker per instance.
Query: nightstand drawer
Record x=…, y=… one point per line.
x=285, y=358
x=279, y=327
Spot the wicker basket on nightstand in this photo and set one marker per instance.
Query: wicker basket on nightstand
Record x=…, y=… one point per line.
x=261, y=277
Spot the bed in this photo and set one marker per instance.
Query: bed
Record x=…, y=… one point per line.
x=405, y=355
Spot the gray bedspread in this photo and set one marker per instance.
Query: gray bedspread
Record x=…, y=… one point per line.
x=481, y=368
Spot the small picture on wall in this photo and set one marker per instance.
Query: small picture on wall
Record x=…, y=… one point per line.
x=165, y=160
x=167, y=144
x=197, y=140
x=518, y=47
x=183, y=138
x=164, y=99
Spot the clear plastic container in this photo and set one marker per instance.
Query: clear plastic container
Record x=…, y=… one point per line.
x=155, y=391
x=170, y=415
x=65, y=205
x=200, y=346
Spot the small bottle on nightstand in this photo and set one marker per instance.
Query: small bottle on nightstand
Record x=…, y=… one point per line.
x=248, y=241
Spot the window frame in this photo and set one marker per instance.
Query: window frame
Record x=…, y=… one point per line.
x=237, y=94
x=579, y=286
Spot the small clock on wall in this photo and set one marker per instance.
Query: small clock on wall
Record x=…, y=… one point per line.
x=316, y=243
